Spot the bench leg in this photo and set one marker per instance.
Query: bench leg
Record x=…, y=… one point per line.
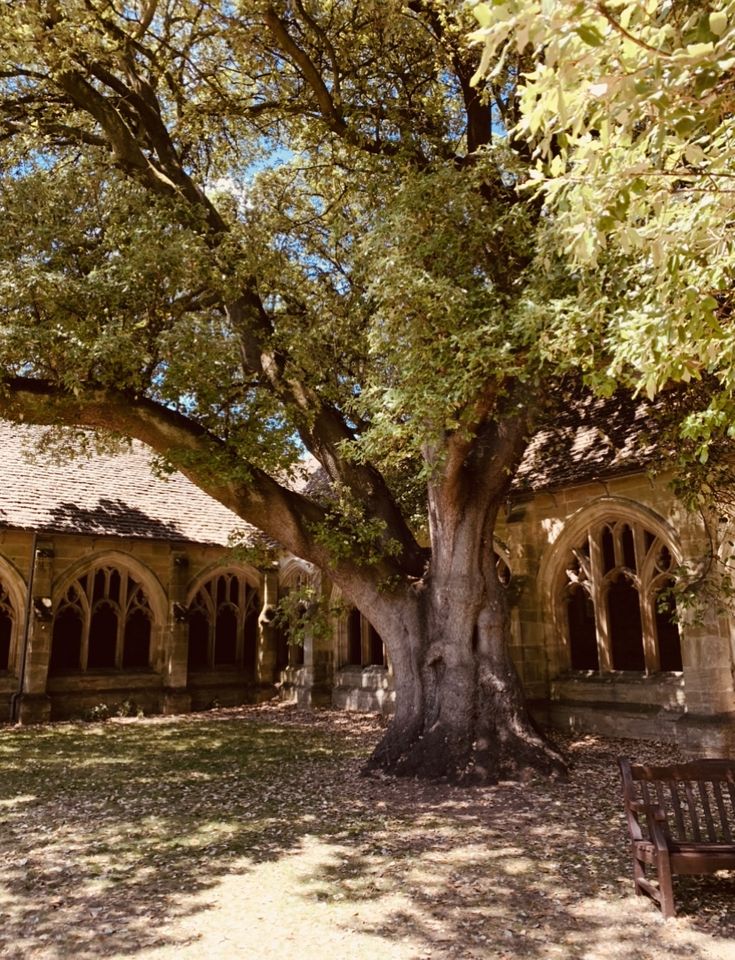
x=666, y=887
x=639, y=873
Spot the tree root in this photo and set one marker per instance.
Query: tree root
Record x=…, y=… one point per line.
x=465, y=760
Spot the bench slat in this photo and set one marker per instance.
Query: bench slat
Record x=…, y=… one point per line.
x=722, y=810
x=731, y=793
x=711, y=830
x=676, y=806
x=692, y=805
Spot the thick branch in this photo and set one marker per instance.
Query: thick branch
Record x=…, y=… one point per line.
x=281, y=513
x=328, y=110
x=479, y=119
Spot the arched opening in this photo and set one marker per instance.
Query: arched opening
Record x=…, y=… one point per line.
x=607, y=608
x=667, y=630
x=66, y=640
x=376, y=649
x=225, y=636
x=137, y=640
x=224, y=610
x=102, y=645
x=198, y=640
x=105, y=622
x=7, y=625
x=6, y=635
x=582, y=630
x=281, y=636
x=354, y=638
x=250, y=640
x=626, y=628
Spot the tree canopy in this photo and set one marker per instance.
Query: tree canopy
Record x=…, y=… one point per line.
x=627, y=109
x=272, y=220
x=245, y=230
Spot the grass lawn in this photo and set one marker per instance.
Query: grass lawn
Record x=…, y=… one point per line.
x=250, y=833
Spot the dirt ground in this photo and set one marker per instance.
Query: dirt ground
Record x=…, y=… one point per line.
x=250, y=833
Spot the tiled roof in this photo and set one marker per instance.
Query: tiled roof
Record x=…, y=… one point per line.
x=104, y=495
x=118, y=494
x=595, y=437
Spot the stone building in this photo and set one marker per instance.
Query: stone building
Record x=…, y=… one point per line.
x=118, y=586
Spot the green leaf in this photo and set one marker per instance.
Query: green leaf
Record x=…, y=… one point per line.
x=591, y=35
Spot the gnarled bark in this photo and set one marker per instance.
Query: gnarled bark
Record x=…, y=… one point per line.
x=460, y=709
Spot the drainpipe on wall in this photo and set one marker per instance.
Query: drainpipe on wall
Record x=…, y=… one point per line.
x=26, y=632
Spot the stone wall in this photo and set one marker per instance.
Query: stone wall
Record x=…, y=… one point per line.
x=170, y=573
x=695, y=706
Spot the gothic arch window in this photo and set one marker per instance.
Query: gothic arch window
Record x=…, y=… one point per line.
x=223, y=623
x=364, y=646
x=7, y=628
x=299, y=590
x=611, y=600
x=102, y=622
x=289, y=654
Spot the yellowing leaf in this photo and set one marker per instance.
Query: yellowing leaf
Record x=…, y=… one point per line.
x=718, y=22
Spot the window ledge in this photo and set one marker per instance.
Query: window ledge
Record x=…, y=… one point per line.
x=622, y=676
x=656, y=689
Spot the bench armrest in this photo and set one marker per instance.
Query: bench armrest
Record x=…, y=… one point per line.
x=654, y=810
x=656, y=821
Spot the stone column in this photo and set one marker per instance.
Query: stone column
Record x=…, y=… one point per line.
x=34, y=704
x=265, y=654
x=323, y=655
x=176, y=697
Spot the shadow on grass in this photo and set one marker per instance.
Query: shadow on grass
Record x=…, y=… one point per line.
x=120, y=839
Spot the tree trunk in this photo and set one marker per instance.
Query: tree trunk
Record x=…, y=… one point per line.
x=460, y=709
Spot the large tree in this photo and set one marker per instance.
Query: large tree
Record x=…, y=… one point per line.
x=240, y=231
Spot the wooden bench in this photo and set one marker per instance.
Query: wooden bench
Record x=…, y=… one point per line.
x=681, y=820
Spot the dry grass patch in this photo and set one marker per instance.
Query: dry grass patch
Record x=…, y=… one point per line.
x=249, y=833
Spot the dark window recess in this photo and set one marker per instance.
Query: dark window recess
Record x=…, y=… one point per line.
x=626, y=632
x=98, y=591
x=227, y=608
x=225, y=636
x=281, y=648
x=6, y=632
x=198, y=640
x=582, y=631
x=102, y=637
x=667, y=633
x=137, y=640
x=377, y=654
x=608, y=550
x=66, y=640
x=354, y=638
x=115, y=584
